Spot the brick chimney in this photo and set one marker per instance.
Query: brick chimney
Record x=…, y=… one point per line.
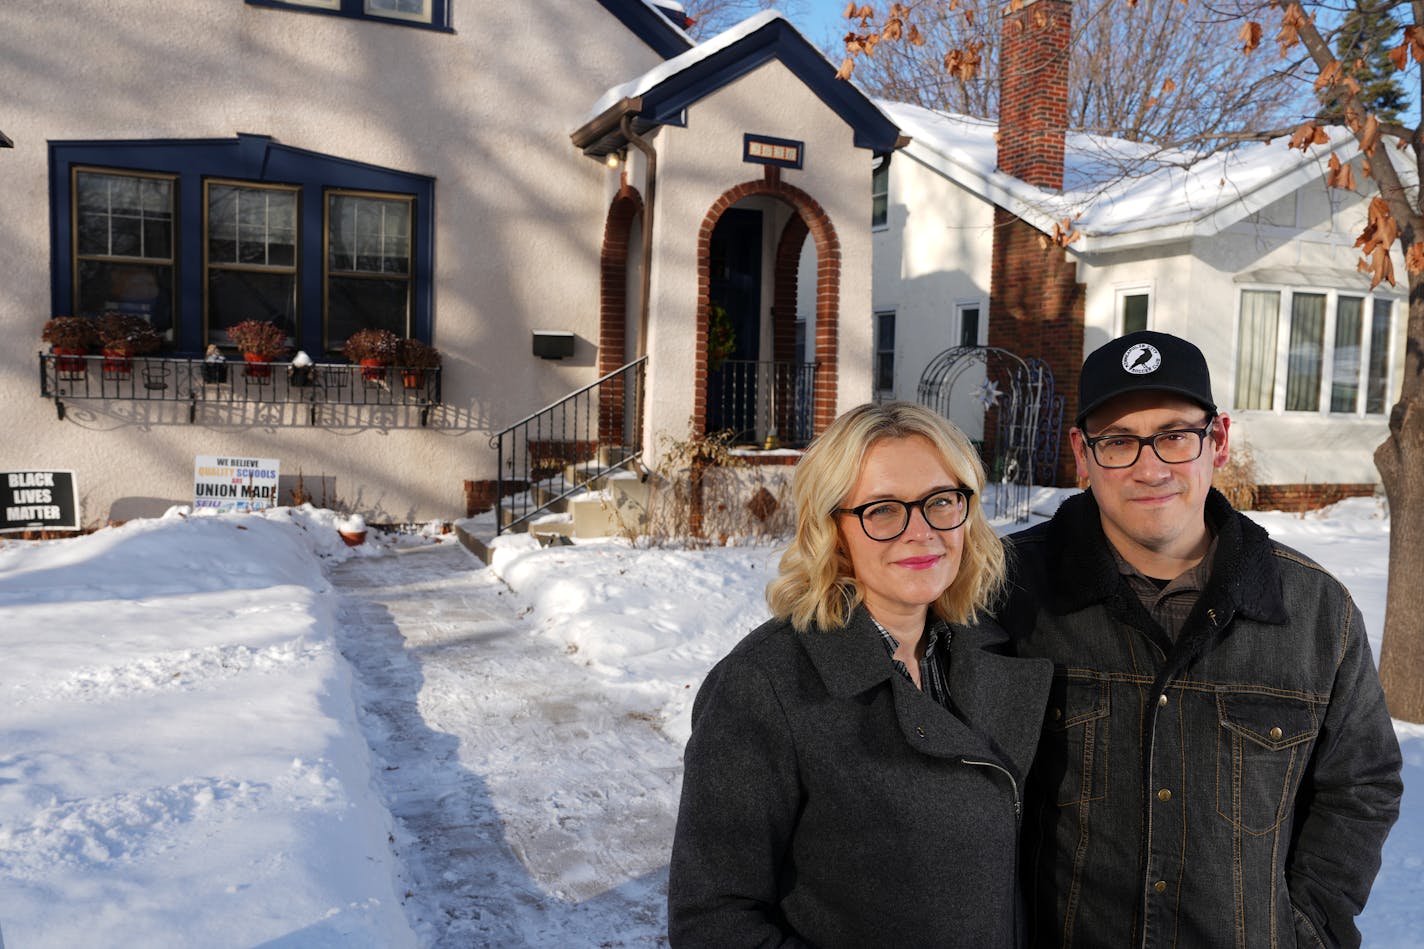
x=1036, y=304
x=1033, y=91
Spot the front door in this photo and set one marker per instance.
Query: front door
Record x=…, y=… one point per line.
x=734, y=348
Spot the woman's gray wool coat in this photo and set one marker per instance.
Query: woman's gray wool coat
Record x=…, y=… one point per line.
x=828, y=802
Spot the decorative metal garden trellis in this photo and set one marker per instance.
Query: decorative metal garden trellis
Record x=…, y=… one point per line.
x=1022, y=416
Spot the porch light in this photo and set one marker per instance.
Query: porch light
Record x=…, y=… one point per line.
x=614, y=159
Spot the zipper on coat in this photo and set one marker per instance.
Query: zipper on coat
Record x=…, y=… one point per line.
x=1018, y=804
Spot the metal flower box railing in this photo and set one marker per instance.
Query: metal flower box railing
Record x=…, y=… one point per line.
x=558, y=450
x=768, y=403
x=198, y=383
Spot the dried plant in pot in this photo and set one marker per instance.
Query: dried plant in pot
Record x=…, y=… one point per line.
x=70, y=338
x=414, y=357
x=260, y=341
x=374, y=349
x=123, y=336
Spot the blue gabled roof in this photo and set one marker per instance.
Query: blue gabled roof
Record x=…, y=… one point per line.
x=661, y=95
x=650, y=25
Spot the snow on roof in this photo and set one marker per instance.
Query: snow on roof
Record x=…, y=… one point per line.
x=669, y=68
x=1120, y=193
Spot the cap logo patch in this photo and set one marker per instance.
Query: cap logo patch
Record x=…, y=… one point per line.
x=1141, y=358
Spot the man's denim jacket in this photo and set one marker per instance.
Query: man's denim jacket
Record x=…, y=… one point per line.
x=1232, y=788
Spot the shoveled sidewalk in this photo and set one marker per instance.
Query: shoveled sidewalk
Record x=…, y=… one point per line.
x=531, y=808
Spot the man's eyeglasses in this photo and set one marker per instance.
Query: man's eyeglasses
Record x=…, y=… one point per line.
x=885, y=520
x=1175, y=447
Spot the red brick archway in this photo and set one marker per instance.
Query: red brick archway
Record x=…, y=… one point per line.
x=613, y=306
x=811, y=219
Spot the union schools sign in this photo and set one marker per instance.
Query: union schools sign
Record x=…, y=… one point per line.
x=38, y=500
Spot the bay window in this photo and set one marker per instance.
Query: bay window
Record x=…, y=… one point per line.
x=1336, y=357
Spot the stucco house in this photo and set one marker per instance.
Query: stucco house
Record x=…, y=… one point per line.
x=557, y=196
x=1248, y=253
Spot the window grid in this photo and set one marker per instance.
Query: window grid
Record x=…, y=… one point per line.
x=885, y=352
x=122, y=243
x=880, y=194
x=368, y=244
x=236, y=284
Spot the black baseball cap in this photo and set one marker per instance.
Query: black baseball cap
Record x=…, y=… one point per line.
x=1143, y=360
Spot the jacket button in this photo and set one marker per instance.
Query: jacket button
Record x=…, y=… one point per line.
x=1276, y=734
x=1164, y=795
x=1160, y=886
x=1056, y=714
x=1162, y=700
x=920, y=730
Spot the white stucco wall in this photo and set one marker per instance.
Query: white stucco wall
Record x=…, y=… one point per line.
x=933, y=256
x=700, y=162
x=519, y=218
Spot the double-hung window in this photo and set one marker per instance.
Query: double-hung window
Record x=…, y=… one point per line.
x=428, y=13
x=197, y=236
x=1313, y=351
x=885, y=354
x=880, y=195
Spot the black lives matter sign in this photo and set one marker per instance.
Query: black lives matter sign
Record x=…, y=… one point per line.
x=38, y=500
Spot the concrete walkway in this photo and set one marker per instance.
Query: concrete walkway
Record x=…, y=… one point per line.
x=531, y=809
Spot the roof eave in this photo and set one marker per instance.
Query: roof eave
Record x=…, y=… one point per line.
x=602, y=134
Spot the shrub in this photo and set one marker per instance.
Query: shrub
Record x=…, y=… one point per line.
x=1237, y=479
x=382, y=345
x=123, y=334
x=261, y=338
x=70, y=332
x=414, y=354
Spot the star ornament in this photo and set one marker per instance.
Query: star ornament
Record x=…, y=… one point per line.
x=989, y=394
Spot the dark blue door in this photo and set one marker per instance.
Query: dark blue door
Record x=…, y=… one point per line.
x=735, y=286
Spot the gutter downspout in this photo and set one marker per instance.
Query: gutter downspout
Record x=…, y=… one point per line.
x=645, y=290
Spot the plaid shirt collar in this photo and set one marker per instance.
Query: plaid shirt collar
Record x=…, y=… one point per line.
x=932, y=678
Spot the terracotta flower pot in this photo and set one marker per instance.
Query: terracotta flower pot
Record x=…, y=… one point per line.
x=353, y=538
x=413, y=378
x=373, y=370
x=254, y=371
x=117, y=365
x=69, y=359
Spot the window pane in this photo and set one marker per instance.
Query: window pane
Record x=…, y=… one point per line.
x=880, y=195
x=405, y=9
x=123, y=215
x=358, y=302
x=142, y=289
x=368, y=235
x=885, y=351
x=237, y=295
x=1345, y=382
x=1306, y=354
x=253, y=226
x=1378, y=377
x=969, y=326
x=1134, y=312
x=1256, y=355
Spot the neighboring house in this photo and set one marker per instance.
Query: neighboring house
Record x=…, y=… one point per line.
x=472, y=175
x=1247, y=253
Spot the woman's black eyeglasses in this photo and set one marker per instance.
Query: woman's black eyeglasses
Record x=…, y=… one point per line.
x=887, y=519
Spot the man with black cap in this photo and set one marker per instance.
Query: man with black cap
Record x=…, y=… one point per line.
x=1217, y=766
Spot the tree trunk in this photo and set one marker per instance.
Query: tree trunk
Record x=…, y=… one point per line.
x=1400, y=460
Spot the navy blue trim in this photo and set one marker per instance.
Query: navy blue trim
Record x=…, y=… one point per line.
x=648, y=25
x=250, y=158
x=747, y=156
x=665, y=103
x=355, y=10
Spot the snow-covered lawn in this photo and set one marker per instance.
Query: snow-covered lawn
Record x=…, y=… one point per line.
x=183, y=763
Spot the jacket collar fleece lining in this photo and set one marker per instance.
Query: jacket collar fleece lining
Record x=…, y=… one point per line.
x=1244, y=578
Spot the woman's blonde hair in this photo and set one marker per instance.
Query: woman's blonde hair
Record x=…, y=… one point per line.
x=815, y=585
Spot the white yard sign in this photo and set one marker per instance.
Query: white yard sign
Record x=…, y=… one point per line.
x=234, y=484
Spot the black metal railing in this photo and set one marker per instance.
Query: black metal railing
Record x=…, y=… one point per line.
x=198, y=383
x=549, y=455
x=767, y=403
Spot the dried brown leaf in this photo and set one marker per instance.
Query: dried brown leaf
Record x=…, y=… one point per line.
x=1168, y=85
x=1328, y=76
x=1340, y=175
x=1250, y=36
x=1414, y=258
x=847, y=67
x=1369, y=135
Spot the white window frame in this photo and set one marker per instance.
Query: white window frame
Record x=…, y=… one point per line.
x=1284, y=317
x=882, y=393
x=1120, y=295
x=981, y=335
x=874, y=169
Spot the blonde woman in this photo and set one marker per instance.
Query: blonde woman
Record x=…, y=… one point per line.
x=855, y=764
